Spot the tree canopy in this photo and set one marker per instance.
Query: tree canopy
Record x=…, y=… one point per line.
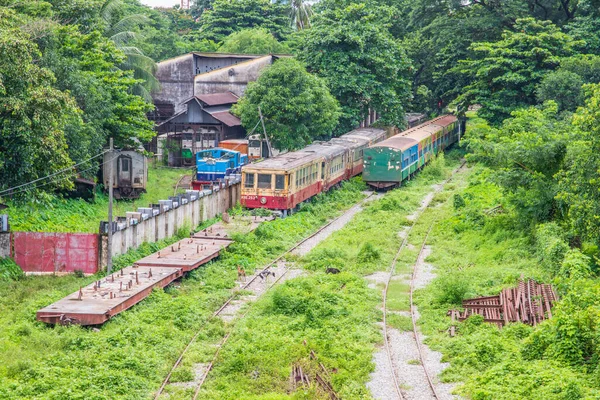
x=253, y=41
x=228, y=16
x=365, y=67
x=504, y=75
x=296, y=106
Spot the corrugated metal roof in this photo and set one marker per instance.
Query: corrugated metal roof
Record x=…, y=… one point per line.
x=216, y=99
x=227, y=118
x=423, y=132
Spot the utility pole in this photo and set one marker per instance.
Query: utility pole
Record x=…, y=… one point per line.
x=265, y=132
x=110, y=207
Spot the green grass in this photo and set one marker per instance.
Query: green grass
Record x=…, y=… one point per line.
x=76, y=215
x=337, y=315
x=131, y=354
x=478, y=254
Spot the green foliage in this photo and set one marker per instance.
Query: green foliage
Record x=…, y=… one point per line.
x=526, y=151
x=505, y=73
x=368, y=253
x=297, y=106
x=578, y=181
x=551, y=246
x=452, y=290
x=252, y=41
x=350, y=46
x=135, y=350
x=336, y=316
x=563, y=87
x=34, y=113
x=228, y=16
x=9, y=270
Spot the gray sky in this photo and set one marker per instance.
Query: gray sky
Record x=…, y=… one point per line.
x=160, y=3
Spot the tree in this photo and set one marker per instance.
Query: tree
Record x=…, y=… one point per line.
x=228, y=16
x=505, y=75
x=525, y=152
x=121, y=31
x=364, y=66
x=33, y=114
x=253, y=41
x=297, y=106
x=563, y=87
x=300, y=14
x=579, y=182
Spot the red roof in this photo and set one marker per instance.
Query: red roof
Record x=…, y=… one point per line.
x=227, y=118
x=217, y=99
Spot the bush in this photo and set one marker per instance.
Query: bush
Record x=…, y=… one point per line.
x=368, y=253
x=9, y=270
x=551, y=246
x=452, y=290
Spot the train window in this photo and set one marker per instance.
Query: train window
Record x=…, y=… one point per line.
x=249, y=180
x=264, y=181
x=279, y=182
x=254, y=144
x=124, y=164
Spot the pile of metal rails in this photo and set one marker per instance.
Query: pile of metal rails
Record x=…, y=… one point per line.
x=529, y=302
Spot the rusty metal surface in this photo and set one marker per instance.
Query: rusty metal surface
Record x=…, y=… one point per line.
x=529, y=302
x=231, y=225
x=215, y=99
x=103, y=299
x=187, y=254
x=52, y=252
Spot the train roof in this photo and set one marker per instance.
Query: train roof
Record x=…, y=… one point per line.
x=417, y=133
x=298, y=158
x=444, y=120
x=397, y=142
x=370, y=133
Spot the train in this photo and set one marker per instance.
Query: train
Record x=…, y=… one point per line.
x=388, y=163
x=213, y=165
x=283, y=182
x=130, y=173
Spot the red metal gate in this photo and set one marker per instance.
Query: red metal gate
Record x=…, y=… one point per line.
x=49, y=252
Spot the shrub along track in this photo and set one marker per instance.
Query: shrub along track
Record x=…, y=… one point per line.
x=389, y=351
x=298, y=246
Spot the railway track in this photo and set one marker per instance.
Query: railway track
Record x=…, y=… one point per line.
x=395, y=378
x=246, y=285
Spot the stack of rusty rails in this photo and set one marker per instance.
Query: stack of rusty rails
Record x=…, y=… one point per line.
x=231, y=224
x=98, y=302
x=529, y=302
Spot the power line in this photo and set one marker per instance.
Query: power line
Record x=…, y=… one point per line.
x=54, y=174
x=63, y=178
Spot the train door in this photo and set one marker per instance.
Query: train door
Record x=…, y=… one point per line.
x=124, y=171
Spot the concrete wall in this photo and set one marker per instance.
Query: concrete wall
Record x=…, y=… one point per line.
x=176, y=77
x=234, y=79
x=4, y=244
x=211, y=203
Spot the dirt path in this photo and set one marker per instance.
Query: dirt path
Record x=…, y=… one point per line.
x=403, y=346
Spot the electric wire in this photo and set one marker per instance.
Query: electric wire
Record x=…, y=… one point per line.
x=54, y=174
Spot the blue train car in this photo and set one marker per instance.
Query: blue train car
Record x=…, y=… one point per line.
x=215, y=164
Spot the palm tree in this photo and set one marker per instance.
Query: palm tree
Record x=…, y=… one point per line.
x=300, y=14
x=121, y=33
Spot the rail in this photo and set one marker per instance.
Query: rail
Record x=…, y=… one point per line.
x=392, y=270
x=231, y=298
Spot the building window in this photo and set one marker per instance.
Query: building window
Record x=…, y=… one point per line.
x=264, y=181
x=279, y=182
x=249, y=179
